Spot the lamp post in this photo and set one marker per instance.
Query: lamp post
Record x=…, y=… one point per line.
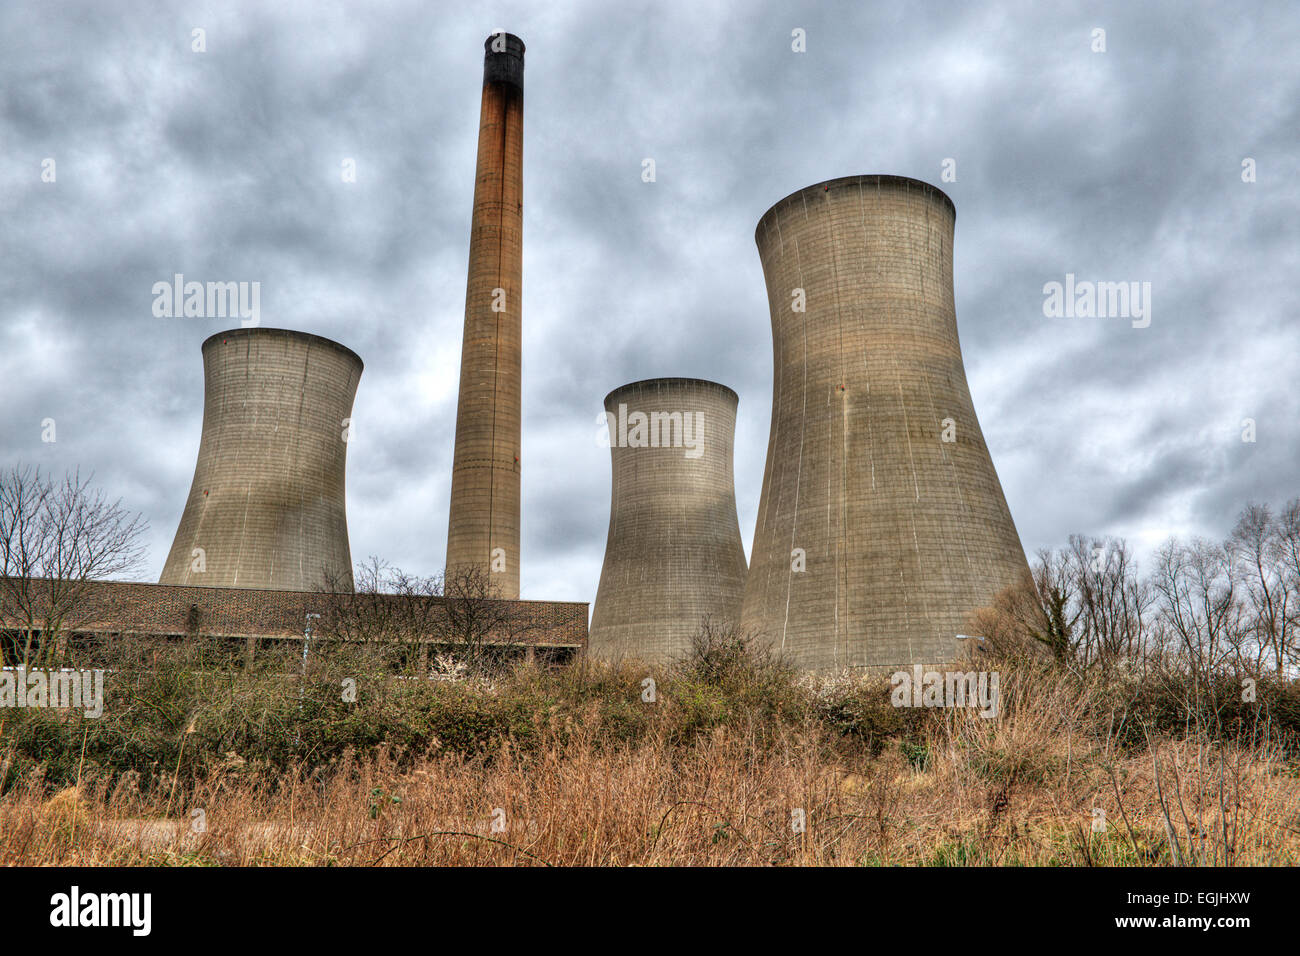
x=306, y=644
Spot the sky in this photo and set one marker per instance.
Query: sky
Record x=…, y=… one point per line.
x=1129, y=163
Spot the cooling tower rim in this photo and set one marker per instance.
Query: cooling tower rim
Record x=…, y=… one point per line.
x=874, y=179
x=674, y=382
x=264, y=332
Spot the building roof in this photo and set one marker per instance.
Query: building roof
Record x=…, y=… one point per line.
x=162, y=609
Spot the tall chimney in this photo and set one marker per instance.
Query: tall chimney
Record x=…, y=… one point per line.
x=483, y=527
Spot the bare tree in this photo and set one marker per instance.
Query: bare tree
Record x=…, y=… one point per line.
x=1200, y=605
x=405, y=615
x=1056, y=584
x=1114, y=604
x=1025, y=618
x=1288, y=559
x=1258, y=549
x=476, y=619
x=56, y=539
x=1205, y=608
x=1084, y=605
x=383, y=606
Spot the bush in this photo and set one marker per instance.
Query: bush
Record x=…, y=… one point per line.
x=181, y=708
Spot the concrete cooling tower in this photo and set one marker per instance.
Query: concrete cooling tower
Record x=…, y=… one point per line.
x=266, y=509
x=674, y=553
x=881, y=523
x=483, y=524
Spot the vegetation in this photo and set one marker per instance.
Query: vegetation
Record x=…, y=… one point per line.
x=56, y=538
x=1140, y=721
x=575, y=766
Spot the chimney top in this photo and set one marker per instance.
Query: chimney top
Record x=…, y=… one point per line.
x=503, y=59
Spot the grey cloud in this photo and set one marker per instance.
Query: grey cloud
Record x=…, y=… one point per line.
x=225, y=165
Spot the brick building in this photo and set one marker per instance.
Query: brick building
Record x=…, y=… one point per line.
x=553, y=630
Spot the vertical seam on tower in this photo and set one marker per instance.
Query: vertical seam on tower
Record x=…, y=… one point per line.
x=798, y=474
x=302, y=400
x=839, y=328
x=243, y=529
x=862, y=205
x=774, y=436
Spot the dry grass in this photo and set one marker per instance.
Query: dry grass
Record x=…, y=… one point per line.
x=1016, y=790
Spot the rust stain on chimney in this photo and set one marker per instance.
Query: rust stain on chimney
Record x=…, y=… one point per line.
x=483, y=525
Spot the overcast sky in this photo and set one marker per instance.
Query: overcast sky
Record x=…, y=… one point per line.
x=225, y=165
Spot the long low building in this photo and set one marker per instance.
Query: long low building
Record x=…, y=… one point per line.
x=553, y=630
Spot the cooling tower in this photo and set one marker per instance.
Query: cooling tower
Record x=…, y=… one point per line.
x=881, y=523
x=483, y=525
x=674, y=553
x=266, y=509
